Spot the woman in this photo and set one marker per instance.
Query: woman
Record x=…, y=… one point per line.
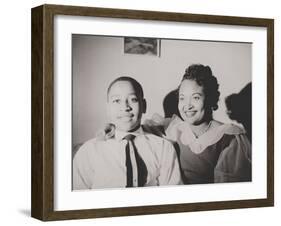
x=209, y=150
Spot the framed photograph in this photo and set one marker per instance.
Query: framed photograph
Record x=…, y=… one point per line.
x=142, y=46
x=144, y=112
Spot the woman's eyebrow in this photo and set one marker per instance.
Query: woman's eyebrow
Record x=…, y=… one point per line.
x=197, y=94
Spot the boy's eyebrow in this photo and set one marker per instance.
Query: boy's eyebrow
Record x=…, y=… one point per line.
x=114, y=95
x=133, y=94
x=118, y=95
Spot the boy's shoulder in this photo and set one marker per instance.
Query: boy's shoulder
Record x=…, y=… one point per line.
x=92, y=146
x=159, y=139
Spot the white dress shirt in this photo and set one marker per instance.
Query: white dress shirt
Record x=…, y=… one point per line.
x=101, y=163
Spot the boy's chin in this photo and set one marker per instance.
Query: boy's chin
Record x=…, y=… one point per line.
x=128, y=128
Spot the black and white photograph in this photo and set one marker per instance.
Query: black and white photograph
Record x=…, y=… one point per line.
x=180, y=119
x=147, y=112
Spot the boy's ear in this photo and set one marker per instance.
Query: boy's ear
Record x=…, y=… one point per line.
x=143, y=106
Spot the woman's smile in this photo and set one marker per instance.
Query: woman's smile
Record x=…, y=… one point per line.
x=190, y=114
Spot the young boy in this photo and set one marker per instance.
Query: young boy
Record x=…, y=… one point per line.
x=127, y=156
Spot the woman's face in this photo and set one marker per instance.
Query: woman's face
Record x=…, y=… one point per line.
x=191, y=102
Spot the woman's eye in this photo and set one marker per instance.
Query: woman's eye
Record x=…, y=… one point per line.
x=196, y=98
x=181, y=98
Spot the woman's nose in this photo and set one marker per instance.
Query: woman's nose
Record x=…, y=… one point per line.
x=188, y=105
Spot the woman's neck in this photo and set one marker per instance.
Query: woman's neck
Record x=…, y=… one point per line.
x=200, y=129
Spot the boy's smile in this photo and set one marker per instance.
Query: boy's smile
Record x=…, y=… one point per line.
x=126, y=117
x=124, y=106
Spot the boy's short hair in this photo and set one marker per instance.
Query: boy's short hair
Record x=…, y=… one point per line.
x=137, y=86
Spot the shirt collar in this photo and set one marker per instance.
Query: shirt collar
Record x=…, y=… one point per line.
x=119, y=135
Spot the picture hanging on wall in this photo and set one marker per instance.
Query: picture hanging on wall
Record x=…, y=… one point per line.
x=142, y=46
x=117, y=135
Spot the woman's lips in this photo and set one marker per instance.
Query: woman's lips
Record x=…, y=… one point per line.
x=190, y=113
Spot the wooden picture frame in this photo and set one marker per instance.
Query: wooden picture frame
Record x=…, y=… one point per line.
x=42, y=203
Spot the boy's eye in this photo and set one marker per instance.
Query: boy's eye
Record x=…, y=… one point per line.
x=134, y=100
x=116, y=101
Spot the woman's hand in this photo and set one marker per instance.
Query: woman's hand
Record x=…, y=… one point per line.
x=107, y=132
x=156, y=125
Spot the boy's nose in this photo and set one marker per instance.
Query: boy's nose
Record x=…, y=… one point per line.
x=127, y=106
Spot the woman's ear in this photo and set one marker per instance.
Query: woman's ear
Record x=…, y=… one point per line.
x=143, y=106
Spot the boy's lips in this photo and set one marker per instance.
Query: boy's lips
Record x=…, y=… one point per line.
x=126, y=117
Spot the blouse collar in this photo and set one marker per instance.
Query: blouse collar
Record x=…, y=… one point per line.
x=181, y=131
x=119, y=135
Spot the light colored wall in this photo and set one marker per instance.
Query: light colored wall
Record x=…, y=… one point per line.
x=98, y=60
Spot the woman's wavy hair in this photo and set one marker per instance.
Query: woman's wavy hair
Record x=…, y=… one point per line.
x=204, y=77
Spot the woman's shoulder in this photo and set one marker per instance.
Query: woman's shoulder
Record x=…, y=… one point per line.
x=227, y=133
x=229, y=128
x=216, y=124
x=223, y=133
x=234, y=139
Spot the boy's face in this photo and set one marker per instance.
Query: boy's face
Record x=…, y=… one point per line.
x=124, y=106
